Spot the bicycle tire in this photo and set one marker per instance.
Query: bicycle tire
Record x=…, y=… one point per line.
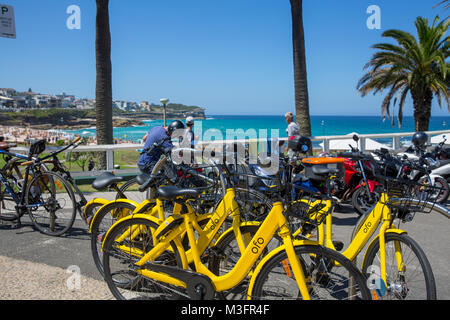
x=442, y=183
x=320, y=276
x=8, y=211
x=133, y=285
x=398, y=282
x=131, y=191
x=101, y=225
x=90, y=209
x=360, y=202
x=33, y=196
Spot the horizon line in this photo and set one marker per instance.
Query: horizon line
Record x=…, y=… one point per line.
x=313, y=115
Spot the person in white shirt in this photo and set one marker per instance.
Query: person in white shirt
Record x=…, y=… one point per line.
x=293, y=129
x=189, y=138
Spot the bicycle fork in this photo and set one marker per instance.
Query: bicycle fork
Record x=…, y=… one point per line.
x=297, y=270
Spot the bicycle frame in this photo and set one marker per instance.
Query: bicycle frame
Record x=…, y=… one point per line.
x=4, y=181
x=275, y=220
x=380, y=215
x=206, y=234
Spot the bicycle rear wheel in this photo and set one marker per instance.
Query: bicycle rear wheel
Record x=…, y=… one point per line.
x=276, y=281
x=51, y=203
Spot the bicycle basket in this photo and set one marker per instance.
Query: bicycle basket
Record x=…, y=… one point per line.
x=408, y=195
x=310, y=208
x=37, y=147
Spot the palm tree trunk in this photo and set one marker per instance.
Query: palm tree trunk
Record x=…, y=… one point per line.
x=300, y=76
x=104, y=78
x=422, y=109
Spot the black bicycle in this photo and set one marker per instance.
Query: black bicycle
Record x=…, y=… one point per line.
x=45, y=195
x=58, y=167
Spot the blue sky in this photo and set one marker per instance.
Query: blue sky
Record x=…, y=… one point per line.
x=232, y=57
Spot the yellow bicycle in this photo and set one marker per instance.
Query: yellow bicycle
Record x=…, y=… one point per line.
x=395, y=265
x=103, y=213
x=145, y=259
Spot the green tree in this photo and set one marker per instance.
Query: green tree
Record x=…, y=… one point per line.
x=300, y=76
x=104, y=78
x=414, y=66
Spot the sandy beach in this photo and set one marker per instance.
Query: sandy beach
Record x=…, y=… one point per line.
x=24, y=135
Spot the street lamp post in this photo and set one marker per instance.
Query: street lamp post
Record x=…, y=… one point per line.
x=164, y=102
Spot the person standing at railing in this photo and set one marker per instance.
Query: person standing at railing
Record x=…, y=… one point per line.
x=293, y=129
x=189, y=137
x=147, y=160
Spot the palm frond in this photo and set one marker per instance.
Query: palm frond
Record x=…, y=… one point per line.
x=411, y=65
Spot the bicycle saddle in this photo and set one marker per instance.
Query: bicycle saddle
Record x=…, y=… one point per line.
x=172, y=192
x=105, y=180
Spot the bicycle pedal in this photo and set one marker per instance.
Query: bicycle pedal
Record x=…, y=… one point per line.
x=338, y=245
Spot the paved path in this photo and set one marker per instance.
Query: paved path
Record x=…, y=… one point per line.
x=36, y=266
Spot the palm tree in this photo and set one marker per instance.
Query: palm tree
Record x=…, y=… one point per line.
x=300, y=77
x=446, y=4
x=412, y=66
x=104, y=78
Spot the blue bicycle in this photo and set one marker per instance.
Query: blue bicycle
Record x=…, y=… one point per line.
x=45, y=195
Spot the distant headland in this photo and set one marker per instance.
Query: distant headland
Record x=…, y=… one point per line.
x=65, y=111
x=84, y=118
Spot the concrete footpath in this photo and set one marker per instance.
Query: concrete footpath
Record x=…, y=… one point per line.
x=34, y=266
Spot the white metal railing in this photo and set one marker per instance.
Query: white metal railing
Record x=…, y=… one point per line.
x=260, y=144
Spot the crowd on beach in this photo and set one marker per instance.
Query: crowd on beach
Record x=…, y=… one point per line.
x=25, y=135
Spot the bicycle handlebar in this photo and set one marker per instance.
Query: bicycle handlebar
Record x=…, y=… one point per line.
x=54, y=153
x=146, y=184
x=429, y=205
x=157, y=145
x=354, y=155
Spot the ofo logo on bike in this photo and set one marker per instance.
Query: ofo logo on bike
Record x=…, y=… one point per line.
x=238, y=146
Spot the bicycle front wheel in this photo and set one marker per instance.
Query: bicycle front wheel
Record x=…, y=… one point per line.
x=104, y=219
x=126, y=243
x=51, y=203
x=324, y=280
x=408, y=272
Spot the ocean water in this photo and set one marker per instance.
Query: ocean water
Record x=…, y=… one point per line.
x=219, y=127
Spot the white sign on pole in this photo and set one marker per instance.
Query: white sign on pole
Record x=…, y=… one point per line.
x=7, y=24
